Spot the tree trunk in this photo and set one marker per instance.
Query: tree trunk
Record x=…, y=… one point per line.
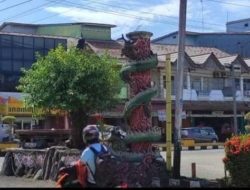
x=79, y=120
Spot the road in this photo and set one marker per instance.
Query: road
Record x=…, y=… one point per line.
x=209, y=165
x=11, y=182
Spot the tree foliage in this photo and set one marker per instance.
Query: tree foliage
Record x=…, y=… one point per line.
x=77, y=81
x=8, y=119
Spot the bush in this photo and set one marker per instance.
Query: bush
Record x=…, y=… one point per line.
x=237, y=160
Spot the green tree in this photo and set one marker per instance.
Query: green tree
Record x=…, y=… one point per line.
x=77, y=81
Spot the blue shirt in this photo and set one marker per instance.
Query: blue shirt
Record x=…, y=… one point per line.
x=88, y=157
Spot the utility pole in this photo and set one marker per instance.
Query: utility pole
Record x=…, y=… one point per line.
x=168, y=114
x=234, y=99
x=179, y=88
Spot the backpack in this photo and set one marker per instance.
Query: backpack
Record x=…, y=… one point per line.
x=72, y=176
x=105, y=162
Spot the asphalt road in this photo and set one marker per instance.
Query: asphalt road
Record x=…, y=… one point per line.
x=209, y=165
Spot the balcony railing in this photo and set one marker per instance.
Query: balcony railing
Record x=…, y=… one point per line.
x=211, y=95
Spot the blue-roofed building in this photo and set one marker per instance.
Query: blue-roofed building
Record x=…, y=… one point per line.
x=232, y=43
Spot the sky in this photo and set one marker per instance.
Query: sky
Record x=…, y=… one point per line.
x=157, y=16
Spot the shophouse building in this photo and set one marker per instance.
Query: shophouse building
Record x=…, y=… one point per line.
x=207, y=93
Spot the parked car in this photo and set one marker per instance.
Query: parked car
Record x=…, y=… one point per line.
x=199, y=134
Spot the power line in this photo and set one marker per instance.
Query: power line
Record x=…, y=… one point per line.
x=121, y=14
x=172, y=17
x=110, y=12
x=15, y=5
x=113, y=12
x=228, y=3
x=29, y=11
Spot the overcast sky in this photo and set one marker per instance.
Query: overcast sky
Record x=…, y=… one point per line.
x=157, y=16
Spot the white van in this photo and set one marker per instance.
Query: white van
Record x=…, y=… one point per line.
x=5, y=133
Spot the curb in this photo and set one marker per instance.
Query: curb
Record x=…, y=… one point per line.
x=195, y=147
x=189, y=183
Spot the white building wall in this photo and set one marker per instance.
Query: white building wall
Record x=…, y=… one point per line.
x=239, y=26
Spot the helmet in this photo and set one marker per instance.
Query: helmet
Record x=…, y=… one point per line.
x=90, y=133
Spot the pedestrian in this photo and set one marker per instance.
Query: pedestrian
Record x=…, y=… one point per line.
x=91, y=139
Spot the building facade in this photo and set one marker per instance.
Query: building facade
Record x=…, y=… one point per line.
x=207, y=93
x=208, y=90
x=242, y=25
x=232, y=43
x=19, y=44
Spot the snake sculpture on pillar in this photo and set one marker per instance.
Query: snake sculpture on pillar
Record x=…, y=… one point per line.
x=137, y=73
x=139, y=162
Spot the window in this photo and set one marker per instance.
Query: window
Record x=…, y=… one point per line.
x=206, y=85
x=246, y=84
x=28, y=42
x=217, y=83
x=39, y=43
x=46, y=52
x=17, y=41
x=60, y=41
x=246, y=24
x=49, y=43
x=38, y=51
x=6, y=53
x=17, y=65
x=237, y=84
x=6, y=65
x=17, y=53
x=204, y=132
x=172, y=84
x=164, y=81
x=27, y=64
x=6, y=40
x=196, y=130
x=28, y=54
x=196, y=83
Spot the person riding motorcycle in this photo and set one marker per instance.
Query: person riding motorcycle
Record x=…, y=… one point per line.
x=91, y=138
